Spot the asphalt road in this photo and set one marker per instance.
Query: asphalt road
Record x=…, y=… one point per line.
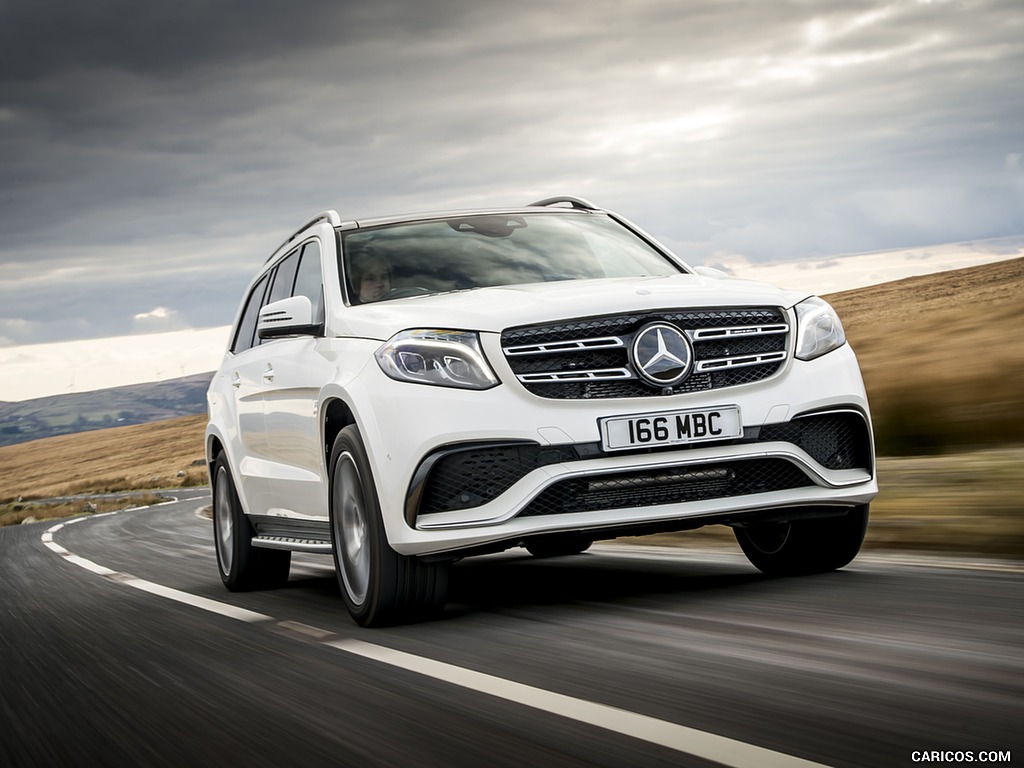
x=119, y=646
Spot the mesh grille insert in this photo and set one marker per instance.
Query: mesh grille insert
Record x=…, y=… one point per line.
x=834, y=440
x=476, y=476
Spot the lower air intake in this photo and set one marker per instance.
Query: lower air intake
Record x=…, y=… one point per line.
x=670, y=485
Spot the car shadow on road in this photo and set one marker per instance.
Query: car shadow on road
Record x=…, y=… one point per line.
x=516, y=581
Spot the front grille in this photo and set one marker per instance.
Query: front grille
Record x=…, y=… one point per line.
x=669, y=485
x=591, y=359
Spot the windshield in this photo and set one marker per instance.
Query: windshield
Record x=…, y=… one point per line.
x=397, y=261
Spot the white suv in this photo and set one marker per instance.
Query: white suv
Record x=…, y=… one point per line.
x=403, y=392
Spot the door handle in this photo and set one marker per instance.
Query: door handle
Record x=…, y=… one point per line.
x=268, y=375
x=236, y=381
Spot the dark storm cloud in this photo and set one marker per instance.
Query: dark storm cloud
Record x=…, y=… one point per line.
x=153, y=156
x=41, y=38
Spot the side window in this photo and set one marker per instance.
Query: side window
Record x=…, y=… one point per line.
x=308, y=281
x=284, y=277
x=247, y=325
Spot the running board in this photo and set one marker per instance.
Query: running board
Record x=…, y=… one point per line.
x=317, y=546
x=292, y=534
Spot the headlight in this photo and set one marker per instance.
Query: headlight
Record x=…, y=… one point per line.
x=443, y=358
x=818, y=329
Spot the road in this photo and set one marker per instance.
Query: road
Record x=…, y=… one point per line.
x=119, y=646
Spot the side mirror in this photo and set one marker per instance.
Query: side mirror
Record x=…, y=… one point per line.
x=710, y=272
x=288, y=317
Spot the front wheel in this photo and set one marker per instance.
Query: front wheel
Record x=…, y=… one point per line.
x=379, y=585
x=799, y=547
x=242, y=566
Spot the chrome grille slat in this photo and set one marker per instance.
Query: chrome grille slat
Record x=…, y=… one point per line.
x=721, y=363
x=738, y=331
x=574, y=345
x=601, y=375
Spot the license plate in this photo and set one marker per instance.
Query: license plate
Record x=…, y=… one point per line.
x=650, y=430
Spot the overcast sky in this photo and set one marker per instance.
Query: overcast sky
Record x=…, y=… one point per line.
x=154, y=154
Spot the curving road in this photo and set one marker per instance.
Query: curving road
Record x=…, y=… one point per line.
x=119, y=646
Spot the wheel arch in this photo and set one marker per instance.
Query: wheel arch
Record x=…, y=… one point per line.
x=214, y=445
x=217, y=443
x=337, y=415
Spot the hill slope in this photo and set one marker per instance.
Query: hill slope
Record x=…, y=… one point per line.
x=84, y=411
x=120, y=458
x=942, y=356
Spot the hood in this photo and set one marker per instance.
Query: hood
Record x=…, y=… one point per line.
x=498, y=308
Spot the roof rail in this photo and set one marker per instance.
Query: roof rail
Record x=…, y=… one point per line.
x=575, y=202
x=331, y=217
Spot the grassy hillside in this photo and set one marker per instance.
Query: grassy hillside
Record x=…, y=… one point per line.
x=121, y=458
x=942, y=357
x=119, y=406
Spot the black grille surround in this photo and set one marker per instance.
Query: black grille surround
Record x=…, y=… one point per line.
x=590, y=358
x=468, y=476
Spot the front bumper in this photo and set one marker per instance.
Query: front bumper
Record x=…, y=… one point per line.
x=576, y=486
x=488, y=483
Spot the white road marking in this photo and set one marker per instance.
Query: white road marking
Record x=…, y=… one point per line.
x=205, y=603
x=650, y=729
x=99, y=570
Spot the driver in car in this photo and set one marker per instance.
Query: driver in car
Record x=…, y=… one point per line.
x=371, y=279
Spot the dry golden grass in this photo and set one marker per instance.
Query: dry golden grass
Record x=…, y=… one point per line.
x=104, y=461
x=942, y=356
x=967, y=502
x=17, y=512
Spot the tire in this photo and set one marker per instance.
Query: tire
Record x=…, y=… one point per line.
x=558, y=545
x=242, y=566
x=380, y=586
x=800, y=547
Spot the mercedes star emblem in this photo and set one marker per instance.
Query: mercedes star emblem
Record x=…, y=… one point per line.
x=661, y=354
